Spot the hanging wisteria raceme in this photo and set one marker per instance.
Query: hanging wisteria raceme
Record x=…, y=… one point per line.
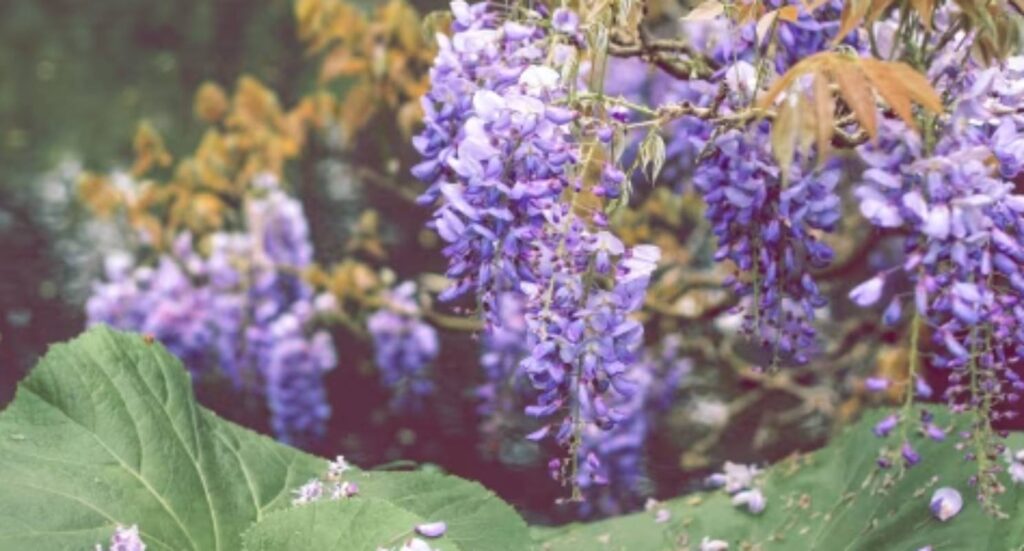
x=506, y=169
x=504, y=391
x=404, y=347
x=496, y=148
x=242, y=312
x=767, y=224
x=617, y=480
x=956, y=201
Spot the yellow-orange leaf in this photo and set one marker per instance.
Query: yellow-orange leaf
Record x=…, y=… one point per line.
x=341, y=63
x=149, y=149
x=211, y=102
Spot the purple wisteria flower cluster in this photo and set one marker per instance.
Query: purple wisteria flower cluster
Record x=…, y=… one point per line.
x=769, y=223
x=504, y=154
x=955, y=199
x=241, y=312
x=404, y=347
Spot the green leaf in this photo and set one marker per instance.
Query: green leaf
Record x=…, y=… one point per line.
x=476, y=518
x=833, y=499
x=358, y=524
x=652, y=155
x=106, y=431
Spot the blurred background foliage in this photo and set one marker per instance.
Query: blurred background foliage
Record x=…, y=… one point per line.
x=75, y=80
x=158, y=116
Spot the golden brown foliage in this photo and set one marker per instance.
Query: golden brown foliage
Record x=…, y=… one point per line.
x=807, y=115
x=386, y=56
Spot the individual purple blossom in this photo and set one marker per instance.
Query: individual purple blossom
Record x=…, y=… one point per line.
x=933, y=431
x=909, y=454
x=876, y=384
x=432, y=529
x=946, y=503
x=753, y=500
x=886, y=425
x=868, y=293
x=565, y=21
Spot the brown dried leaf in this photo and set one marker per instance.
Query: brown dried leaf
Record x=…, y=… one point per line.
x=785, y=132
x=854, y=88
x=824, y=114
x=892, y=91
x=806, y=66
x=916, y=85
x=706, y=11
x=764, y=24
x=924, y=9
x=853, y=13
x=878, y=8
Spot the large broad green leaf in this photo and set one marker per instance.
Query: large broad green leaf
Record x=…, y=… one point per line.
x=105, y=430
x=360, y=524
x=835, y=499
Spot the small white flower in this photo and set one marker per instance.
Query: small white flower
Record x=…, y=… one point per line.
x=710, y=412
x=1016, y=471
x=708, y=544
x=538, y=78
x=416, y=544
x=735, y=477
x=337, y=468
x=309, y=492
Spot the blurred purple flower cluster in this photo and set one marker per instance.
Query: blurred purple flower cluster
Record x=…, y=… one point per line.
x=404, y=347
x=241, y=312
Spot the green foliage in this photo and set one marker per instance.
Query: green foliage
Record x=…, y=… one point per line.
x=833, y=499
x=106, y=430
x=350, y=524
